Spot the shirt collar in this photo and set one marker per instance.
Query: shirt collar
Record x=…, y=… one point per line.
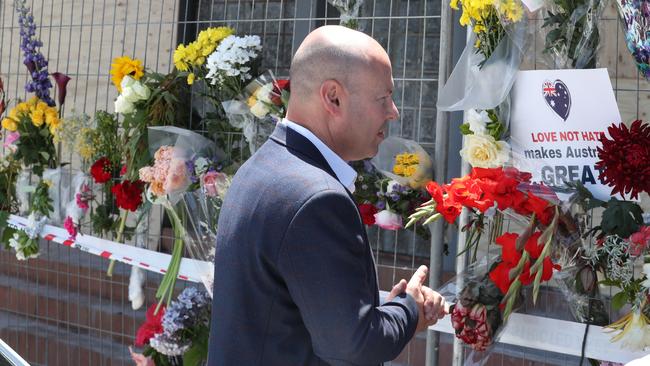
x=344, y=172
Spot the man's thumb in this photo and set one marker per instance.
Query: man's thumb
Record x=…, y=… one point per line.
x=399, y=288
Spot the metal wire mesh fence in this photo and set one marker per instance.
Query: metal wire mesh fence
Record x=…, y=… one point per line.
x=61, y=308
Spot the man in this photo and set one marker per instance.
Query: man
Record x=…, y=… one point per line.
x=295, y=282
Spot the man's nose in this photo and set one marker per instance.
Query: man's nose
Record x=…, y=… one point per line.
x=394, y=112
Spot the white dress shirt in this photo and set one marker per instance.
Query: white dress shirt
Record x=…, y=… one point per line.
x=344, y=172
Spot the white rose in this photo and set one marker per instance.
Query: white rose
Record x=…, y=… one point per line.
x=141, y=90
x=477, y=121
x=260, y=110
x=126, y=82
x=129, y=94
x=263, y=94
x=123, y=106
x=483, y=151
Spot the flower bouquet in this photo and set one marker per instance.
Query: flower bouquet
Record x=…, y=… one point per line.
x=184, y=162
x=635, y=16
x=620, y=251
x=177, y=334
x=526, y=258
x=390, y=186
x=257, y=109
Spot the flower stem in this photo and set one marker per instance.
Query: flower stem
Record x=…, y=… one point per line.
x=120, y=232
x=166, y=288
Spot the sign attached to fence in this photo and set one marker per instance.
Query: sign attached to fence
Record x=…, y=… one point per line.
x=557, y=118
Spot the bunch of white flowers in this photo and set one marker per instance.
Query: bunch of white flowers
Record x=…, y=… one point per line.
x=232, y=58
x=480, y=149
x=133, y=91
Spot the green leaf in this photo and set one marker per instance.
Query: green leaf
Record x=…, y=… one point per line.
x=621, y=218
x=465, y=130
x=609, y=282
x=194, y=356
x=619, y=300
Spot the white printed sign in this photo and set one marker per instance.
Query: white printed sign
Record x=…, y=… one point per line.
x=556, y=121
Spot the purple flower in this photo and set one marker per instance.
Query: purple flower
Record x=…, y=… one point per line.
x=380, y=205
x=61, y=84
x=34, y=60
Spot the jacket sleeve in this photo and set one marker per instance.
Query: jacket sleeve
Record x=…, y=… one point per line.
x=328, y=270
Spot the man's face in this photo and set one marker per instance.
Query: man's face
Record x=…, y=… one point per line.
x=369, y=107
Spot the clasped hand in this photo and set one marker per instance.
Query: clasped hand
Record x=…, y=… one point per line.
x=431, y=305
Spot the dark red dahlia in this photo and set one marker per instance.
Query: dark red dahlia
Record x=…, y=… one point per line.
x=625, y=158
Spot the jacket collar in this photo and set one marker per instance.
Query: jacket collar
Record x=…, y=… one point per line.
x=300, y=146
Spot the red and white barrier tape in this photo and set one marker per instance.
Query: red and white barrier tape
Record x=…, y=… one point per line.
x=190, y=269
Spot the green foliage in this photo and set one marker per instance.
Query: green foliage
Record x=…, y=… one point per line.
x=579, y=46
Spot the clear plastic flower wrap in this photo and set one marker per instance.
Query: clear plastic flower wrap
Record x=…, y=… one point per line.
x=258, y=108
x=187, y=180
x=572, y=34
x=486, y=70
x=404, y=161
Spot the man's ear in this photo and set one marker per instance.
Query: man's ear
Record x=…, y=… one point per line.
x=330, y=94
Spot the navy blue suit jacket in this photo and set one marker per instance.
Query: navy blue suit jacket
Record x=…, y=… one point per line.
x=294, y=280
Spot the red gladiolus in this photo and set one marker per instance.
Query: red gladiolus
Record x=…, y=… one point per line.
x=533, y=247
x=102, y=170
x=368, y=212
x=151, y=326
x=128, y=195
x=509, y=253
x=61, y=85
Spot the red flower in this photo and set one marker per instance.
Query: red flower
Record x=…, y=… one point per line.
x=533, y=247
x=368, y=212
x=128, y=195
x=435, y=191
x=500, y=275
x=539, y=206
x=151, y=326
x=468, y=192
x=509, y=253
x=102, y=170
x=449, y=209
x=471, y=325
x=639, y=241
x=123, y=170
x=624, y=158
x=278, y=87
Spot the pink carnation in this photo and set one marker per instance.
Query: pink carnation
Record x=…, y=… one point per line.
x=388, y=220
x=639, y=241
x=69, y=225
x=146, y=174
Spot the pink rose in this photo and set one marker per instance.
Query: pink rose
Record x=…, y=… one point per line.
x=639, y=241
x=388, y=220
x=214, y=183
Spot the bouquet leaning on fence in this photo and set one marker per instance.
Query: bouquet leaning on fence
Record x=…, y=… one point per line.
x=491, y=292
x=184, y=162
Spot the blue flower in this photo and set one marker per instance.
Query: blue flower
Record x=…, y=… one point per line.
x=34, y=59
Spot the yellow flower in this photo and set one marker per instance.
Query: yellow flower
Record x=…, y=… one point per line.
x=190, y=78
x=410, y=170
x=52, y=117
x=22, y=107
x=9, y=124
x=38, y=117
x=194, y=54
x=454, y=4
x=48, y=183
x=398, y=169
x=123, y=66
x=252, y=100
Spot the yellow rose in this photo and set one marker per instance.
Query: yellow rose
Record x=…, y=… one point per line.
x=38, y=117
x=190, y=78
x=9, y=124
x=483, y=151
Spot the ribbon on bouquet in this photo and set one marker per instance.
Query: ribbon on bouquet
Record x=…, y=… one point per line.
x=190, y=269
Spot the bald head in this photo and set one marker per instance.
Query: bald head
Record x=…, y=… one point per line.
x=341, y=90
x=332, y=52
